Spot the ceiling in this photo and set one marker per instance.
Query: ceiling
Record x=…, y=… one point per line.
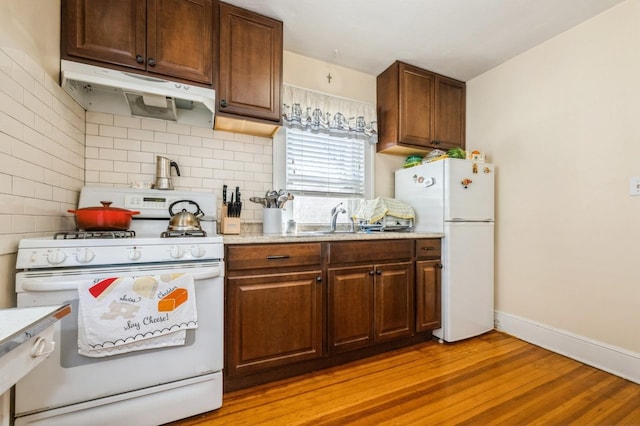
x=457, y=38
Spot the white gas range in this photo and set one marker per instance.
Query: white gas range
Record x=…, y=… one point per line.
x=142, y=387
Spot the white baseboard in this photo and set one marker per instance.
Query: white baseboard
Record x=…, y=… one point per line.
x=611, y=359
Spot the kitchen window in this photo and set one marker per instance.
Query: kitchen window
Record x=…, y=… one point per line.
x=324, y=154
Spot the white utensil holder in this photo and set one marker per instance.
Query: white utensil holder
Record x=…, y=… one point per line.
x=271, y=221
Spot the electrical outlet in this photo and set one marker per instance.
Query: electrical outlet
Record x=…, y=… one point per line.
x=634, y=186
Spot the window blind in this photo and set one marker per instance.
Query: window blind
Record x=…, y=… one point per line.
x=321, y=164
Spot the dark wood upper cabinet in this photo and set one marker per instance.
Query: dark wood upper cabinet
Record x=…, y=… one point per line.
x=418, y=111
x=108, y=31
x=416, y=95
x=449, y=118
x=250, y=64
x=180, y=38
x=166, y=37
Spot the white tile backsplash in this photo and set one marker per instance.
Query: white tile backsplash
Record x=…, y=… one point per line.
x=207, y=159
x=41, y=151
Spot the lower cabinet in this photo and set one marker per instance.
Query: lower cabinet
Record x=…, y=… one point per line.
x=428, y=279
x=273, y=320
x=369, y=304
x=292, y=308
x=428, y=295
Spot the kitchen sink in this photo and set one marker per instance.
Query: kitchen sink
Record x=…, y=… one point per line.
x=320, y=232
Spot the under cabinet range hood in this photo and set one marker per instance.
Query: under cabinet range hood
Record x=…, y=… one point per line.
x=118, y=92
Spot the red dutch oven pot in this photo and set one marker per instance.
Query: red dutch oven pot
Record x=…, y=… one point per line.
x=103, y=218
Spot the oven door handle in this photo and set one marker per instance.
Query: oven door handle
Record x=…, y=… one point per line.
x=213, y=273
x=41, y=286
x=48, y=286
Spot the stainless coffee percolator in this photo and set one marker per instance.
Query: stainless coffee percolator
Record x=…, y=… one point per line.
x=163, y=172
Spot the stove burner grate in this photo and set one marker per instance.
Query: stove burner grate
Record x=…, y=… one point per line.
x=178, y=234
x=79, y=235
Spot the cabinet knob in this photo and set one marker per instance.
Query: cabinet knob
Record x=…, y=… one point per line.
x=139, y=59
x=439, y=266
x=318, y=279
x=372, y=272
x=435, y=143
x=223, y=103
x=378, y=272
x=151, y=62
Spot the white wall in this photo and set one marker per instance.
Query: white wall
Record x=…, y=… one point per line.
x=562, y=123
x=33, y=26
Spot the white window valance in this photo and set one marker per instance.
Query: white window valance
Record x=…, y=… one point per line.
x=320, y=113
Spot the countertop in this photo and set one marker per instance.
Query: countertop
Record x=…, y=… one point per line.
x=21, y=324
x=254, y=238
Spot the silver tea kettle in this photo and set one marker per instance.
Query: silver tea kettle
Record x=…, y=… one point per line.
x=185, y=220
x=163, y=172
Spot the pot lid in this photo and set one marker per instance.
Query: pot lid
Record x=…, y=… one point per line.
x=106, y=206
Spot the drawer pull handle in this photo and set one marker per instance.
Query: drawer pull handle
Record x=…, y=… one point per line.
x=278, y=256
x=428, y=248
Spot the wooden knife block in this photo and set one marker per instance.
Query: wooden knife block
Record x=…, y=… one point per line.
x=229, y=225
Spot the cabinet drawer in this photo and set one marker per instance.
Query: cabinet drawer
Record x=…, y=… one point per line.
x=370, y=251
x=428, y=248
x=263, y=256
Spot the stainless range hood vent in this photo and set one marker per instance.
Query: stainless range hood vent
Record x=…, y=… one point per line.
x=116, y=92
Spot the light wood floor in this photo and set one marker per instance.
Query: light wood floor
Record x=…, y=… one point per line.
x=489, y=380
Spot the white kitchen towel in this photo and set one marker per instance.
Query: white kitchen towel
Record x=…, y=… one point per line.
x=374, y=210
x=124, y=314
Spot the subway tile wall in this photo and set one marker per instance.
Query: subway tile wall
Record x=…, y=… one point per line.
x=121, y=150
x=41, y=151
x=41, y=159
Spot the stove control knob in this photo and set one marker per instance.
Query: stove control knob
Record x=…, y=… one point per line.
x=176, y=252
x=85, y=255
x=135, y=254
x=56, y=257
x=197, y=251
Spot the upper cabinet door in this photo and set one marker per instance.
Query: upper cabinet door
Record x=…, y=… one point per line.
x=250, y=64
x=112, y=31
x=450, y=112
x=180, y=39
x=417, y=89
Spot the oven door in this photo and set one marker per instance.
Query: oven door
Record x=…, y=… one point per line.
x=67, y=378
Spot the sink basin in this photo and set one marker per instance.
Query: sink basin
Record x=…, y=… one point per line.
x=322, y=232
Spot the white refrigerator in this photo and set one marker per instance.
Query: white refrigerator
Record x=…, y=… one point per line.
x=456, y=197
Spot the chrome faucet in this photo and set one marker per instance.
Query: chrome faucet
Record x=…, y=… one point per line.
x=334, y=216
